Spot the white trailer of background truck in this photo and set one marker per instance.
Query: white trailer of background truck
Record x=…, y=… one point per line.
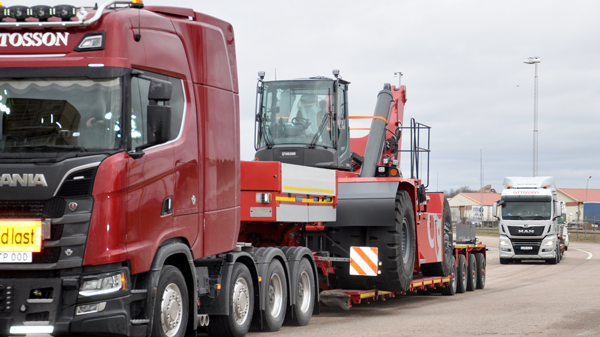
x=528, y=224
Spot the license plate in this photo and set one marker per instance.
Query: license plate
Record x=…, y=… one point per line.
x=526, y=248
x=15, y=257
x=20, y=236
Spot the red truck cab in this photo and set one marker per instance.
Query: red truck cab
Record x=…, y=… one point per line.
x=119, y=138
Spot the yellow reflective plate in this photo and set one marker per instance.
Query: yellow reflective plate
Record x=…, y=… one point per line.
x=20, y=235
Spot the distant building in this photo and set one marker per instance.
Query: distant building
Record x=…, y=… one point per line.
x=487, y=189
x=574, y=199
x=469, y=204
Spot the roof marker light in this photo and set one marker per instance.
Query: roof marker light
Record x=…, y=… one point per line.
x=18, y=12
x=42, y=12
x=65, y=12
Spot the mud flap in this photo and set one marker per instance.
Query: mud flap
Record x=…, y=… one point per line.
x=335, y=299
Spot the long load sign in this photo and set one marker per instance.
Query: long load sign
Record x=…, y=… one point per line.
x=20, y=236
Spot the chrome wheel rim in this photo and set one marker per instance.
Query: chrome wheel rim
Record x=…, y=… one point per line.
x=304, y=292
x=405, y=241
x=240, y=301
x=275, y=294
x=171, y=310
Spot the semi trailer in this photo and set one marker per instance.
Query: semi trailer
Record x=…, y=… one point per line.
x=125, y=209
x=529, y=227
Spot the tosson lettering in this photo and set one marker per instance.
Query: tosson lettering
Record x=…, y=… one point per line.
x=47, y=39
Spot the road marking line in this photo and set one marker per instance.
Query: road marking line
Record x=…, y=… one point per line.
x=589, y=254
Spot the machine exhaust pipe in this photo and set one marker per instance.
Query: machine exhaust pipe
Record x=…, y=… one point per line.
x=376, y=140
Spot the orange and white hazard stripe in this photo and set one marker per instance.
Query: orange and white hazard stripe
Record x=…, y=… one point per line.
x=363, y=261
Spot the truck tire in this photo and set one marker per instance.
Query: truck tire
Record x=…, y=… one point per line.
x=450, y=288
x=276, y=297
x=480, y=259
x=504, y=261
x=461, y=272
x=304, y=296
x=471, y=272
x=345, y=237
x=443, y=268
x=396, y=246
x=171, y=310
x=241, y=295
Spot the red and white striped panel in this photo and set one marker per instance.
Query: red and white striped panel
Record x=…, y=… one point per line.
x=363, y=261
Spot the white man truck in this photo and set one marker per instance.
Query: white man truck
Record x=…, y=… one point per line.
x=528, y=215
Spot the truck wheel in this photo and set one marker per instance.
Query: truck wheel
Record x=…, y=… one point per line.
x=471, y=273
x=241, y=295
x=480, y=259
x=304, y=294
x=171, y=304
x=443, y=268
x=450, y=288
x=396, y=247
x=461, y=272
x=504, y=261
x=276, y=296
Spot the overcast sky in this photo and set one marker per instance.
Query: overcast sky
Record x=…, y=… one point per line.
x=463, y=67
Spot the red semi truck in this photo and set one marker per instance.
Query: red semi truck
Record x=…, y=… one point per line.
x=125, y=208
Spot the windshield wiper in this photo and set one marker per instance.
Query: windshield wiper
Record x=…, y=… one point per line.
x=50, y=147
x=318, y=134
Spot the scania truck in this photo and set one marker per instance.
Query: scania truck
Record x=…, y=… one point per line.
x=528, y=215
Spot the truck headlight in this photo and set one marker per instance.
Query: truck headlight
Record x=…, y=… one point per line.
x=504, y=242
x=549, y=243
x=102, y=284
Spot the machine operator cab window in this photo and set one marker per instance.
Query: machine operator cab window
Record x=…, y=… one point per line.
x=296, y=112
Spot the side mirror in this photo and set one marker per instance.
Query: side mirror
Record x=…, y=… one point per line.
x=159, y=90
x=559, y=208
x=159, y=124
x=158, y=119
x=495, y=210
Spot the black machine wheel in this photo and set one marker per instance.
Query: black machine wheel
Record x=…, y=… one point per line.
x=461, y=272
x=396, y=247
x=346, y=237
x=304, y=294
x=471, y=272
x=450, y=288
x=504, y=261
x=443, y=268
x=241, y=295
x=480, y=259
x=171, y=310
x=276, y=296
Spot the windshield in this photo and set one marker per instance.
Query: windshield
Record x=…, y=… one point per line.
x=56, y=115
x=296, y=112
x=526, y=210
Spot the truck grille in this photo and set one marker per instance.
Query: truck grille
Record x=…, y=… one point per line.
x=519, y=246
x=526, y=231
x=78, y=184
x=25, y=209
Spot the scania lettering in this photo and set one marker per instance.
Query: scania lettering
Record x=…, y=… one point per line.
x=528, y=225
x=30, y=180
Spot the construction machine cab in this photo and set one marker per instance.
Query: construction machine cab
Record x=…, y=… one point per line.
x=303, y=122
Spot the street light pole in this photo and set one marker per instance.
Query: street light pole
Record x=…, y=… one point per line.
x=535, y=60
x=586, y=188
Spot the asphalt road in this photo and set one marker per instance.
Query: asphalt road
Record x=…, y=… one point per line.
x=527, y=299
